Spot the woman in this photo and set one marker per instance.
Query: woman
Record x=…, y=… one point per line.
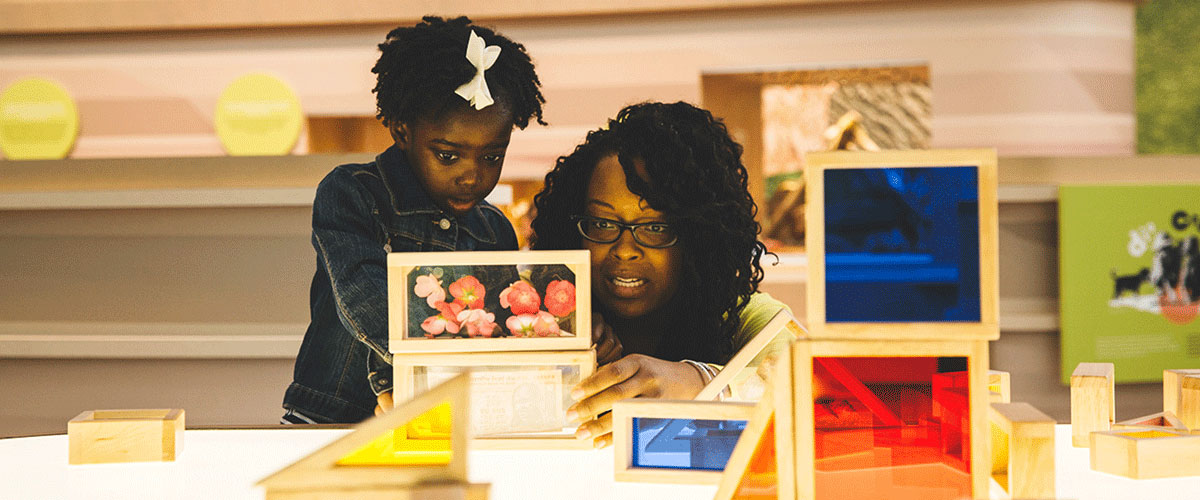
x=659, y=198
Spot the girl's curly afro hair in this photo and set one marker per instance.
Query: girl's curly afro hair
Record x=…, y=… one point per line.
x=696, y=177
x=420, y=67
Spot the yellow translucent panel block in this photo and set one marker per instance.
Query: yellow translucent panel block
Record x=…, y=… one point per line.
x=1150, y=434
x=424, y=441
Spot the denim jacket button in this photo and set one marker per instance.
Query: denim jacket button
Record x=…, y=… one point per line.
x=444, y=224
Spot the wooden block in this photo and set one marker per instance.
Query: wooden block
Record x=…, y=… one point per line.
x=986, y=327
x=111, y=436
x=406, y=334
x=1145, y=453
x=782, y=324
x=1158, y=420
x=1027, y=436
x=1189, y=402
x=628, y=443
x=368, y=458
x=961, y=394
x=999, y=387
x=431, y=491
x=1172, y=387
x=514, y=388
x=1093, y=406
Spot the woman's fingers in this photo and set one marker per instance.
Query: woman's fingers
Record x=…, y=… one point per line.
x=383, y=402
x=624, y=381
x=593, y=429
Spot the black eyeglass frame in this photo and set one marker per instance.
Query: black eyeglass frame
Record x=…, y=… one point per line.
x=621, y=227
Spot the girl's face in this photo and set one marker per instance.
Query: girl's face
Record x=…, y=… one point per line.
x=459, y=155
x=629, y=279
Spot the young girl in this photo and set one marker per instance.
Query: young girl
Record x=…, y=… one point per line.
x=660, y=199
x=450, y=93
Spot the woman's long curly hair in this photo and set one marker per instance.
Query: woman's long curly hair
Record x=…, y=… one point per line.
x=695, y=176
x=420, y=67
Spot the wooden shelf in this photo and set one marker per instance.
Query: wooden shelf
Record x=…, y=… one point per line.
x=158, y=198
x=111, y=340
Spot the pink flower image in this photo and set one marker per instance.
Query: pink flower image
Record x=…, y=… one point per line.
x=479, y=323
x=521, y=325
x=430, y=288
x=545, y=325
x=521, y=298
x=468, y=292
x=560, y=298
x=445, y=321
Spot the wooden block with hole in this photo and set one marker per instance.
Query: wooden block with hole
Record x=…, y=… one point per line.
x=113, y=436
x=1158, y=420
x=1146, y=453
x=1173, y=386
x=1024, y=440
x=1092, y=401
x=999, y=387
x=1189, y=401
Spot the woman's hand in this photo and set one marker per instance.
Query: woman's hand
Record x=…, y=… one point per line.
x=383, y=403
x=633, y=376
x=608, y=347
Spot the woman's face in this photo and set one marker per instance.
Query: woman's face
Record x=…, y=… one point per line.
x=629, y=279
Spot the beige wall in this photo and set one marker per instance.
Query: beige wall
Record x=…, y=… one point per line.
x=92, y=269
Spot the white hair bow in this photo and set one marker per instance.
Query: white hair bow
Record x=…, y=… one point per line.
x=476, y=91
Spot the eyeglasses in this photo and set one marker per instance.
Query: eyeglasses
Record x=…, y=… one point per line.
x=647, y=234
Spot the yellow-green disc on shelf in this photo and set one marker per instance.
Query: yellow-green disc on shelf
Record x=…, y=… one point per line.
x=258, y=115
x=38, y=120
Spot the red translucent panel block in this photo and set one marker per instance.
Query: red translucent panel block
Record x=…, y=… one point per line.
x=760, y=481
x=893, y=427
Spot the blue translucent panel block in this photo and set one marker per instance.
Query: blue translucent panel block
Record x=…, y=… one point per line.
x=902, y=244
x=684, y=443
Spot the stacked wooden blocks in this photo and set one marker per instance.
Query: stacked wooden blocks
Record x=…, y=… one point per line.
x=519, y=321
x=887, y=396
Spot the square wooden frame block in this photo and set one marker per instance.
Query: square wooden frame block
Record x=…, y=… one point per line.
x=113, y=436
x=803, y=424
x=1093, y=404
x=783, y=321
x=814, y=172
x=1189, y=401
x=625, y=411
x=1145, y=453
x=398, y=263
x=404, y=369
x=1029, y=471
x=321, y=473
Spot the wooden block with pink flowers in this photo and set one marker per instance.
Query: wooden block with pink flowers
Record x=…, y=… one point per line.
x=520, y=321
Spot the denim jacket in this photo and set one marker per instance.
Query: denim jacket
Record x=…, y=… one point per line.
x=362, y=212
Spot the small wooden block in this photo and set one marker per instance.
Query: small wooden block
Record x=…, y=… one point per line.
x=1158, y=420
x=1189, y=402
x=1093, y=406
x=1172, y=387
x=1027, y=436
x=114, y=436
x=1146, y=453
x=999, y=387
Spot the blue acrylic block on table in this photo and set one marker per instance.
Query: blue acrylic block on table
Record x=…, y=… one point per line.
x=902, y=244
x=682, y=443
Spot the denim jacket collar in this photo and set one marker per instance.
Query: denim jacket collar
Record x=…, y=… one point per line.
x=409, y=197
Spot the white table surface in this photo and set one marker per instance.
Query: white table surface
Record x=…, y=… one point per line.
x=225, y=464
